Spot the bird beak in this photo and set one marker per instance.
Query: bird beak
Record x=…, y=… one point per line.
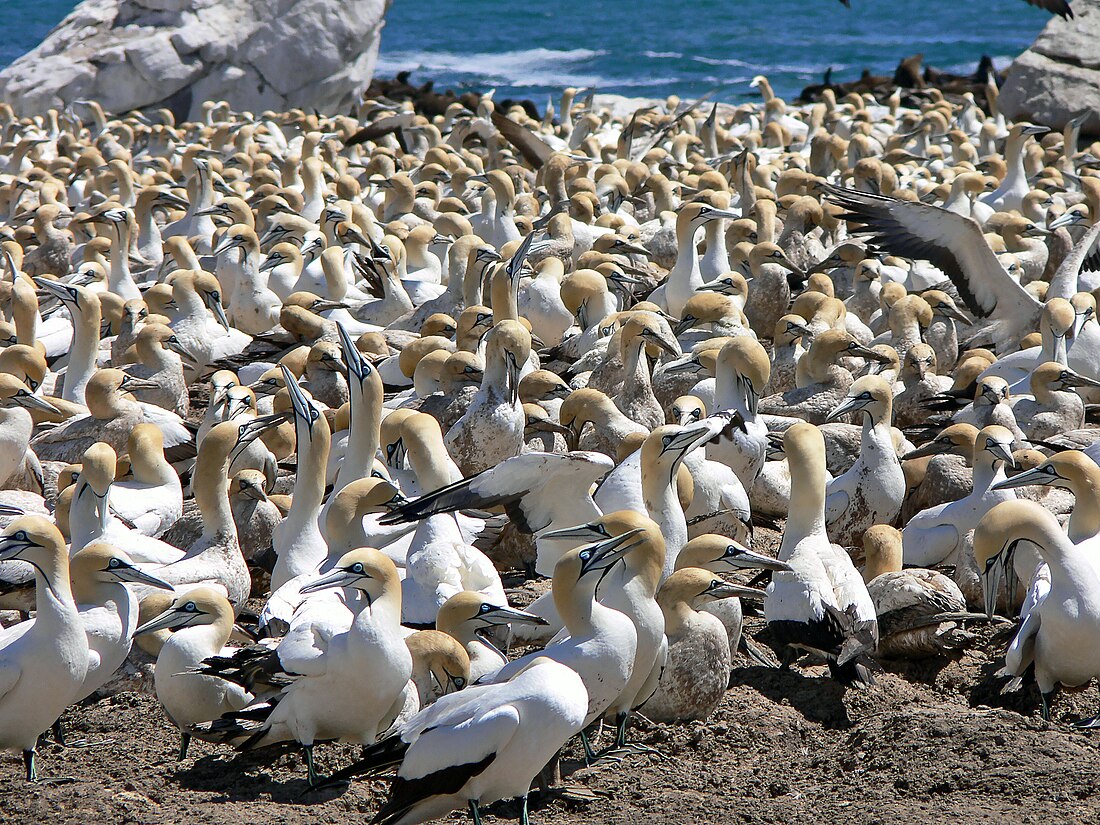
x=129, y=573
x=934, y=447
x=867, y=352
x=603, y=554
x=354, y=360
x=171, y=619
x=1067, y=218
x=10, y=510
x=130, y=383
x=510, y=615
x=1034, y=476
x=226, y=244
x=513, y=371
x=720, y=589
x=1035, y=130
x=719, y=214
x=685, y=323
x=1004, y=453
x=11, y=547
x=253, y=492
x=585, y=532
x=740, y=557
x=298, y=398
x=33, y=402
x=337, y=578
x=957, y=314
x=684, y=366
x=217, y=308
x=846, y=406
x=253, y=429
x=1078, y=380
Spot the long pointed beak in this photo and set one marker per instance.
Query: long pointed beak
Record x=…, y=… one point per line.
x=606, y=553
x=957, y=314
x=931, y=448
x=226, y=244
x=170, y=619
x=34, y=402
x=867, y=352
x=1067, y=218
x=584, y=532
x=1004, y=453
x=719, y=214
x=1078, y=380
x=135, y=576
x=218, y=310
x=253, y=429
x=1027, y=478
x=297, y=398
x=844, y=407
x=337, y=578
x=991, y=583
x=739, y=557
x=510, y=615
x=727, y=590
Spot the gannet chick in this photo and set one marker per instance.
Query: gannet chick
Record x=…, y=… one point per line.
x=202, y=621
x=696, y=673
x=872, y=490
x=492, y=428
x=907, y=602
x=479, y=745
x=821, y=605
x=470, y=619
x=43, y=665
x=254, y=514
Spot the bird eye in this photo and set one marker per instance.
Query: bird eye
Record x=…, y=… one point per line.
x=114, y=564
x=586, y=555
x=358, y=567
x=485, y=608
x=666, y=440
x=190, y=607
x=460, y=682
x=19, y=535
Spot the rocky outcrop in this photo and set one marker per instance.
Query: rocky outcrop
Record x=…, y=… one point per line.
x=255, y=54
x=1059, y=76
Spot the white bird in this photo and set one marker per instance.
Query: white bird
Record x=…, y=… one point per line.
x=42, y=667
x=479, y=745
x=325, y=696
x=201, y=621
x=821, y=604
x=1059, y=636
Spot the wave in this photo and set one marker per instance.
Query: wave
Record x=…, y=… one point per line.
x=525, y=67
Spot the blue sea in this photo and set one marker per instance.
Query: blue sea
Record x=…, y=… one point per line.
x=651, y=49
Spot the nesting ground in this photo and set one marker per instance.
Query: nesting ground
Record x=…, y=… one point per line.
x=931, y=743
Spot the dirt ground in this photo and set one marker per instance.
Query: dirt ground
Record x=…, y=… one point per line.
x=932, y=742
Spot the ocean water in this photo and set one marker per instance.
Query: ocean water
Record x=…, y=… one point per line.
x=651, y=49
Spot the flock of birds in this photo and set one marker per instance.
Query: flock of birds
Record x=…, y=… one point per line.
x=280, y=394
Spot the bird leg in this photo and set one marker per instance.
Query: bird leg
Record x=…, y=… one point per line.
x=1044, y=704
x=311, y=772
x=620, y=747
x=1090, y=723
x=185, y=740
x=474, y=812
x=31, y=762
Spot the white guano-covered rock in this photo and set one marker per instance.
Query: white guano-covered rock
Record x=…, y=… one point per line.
x=1059, y=76
x=254, y=54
